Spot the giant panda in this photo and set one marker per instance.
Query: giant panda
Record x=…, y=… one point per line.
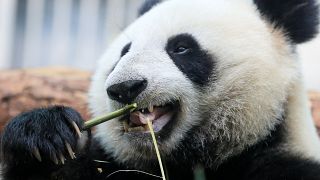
x=221, y=82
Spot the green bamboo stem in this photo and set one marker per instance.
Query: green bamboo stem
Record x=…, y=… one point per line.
x=199, y=173
x=98, y=120
x=157, y=149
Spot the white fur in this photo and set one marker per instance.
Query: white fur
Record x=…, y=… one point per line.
x=257, y=76
x=302, y=137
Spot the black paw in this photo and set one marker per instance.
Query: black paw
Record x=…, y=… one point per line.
x=45, y=135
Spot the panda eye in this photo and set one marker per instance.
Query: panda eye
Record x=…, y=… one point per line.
x=181, y=45
x=182, y=50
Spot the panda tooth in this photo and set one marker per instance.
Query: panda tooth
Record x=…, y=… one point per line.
x=142, y=110
x=150, y=108
x=146, y=127
x=125, y=126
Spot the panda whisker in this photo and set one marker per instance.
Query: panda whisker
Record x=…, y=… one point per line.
x=129, y=170
x=100, y=161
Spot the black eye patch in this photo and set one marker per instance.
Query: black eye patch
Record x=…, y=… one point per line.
x=125, y=49
x=196, y=63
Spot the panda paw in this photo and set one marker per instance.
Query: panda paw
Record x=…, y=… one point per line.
x=43, y=135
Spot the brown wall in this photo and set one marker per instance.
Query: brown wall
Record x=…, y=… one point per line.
x=23, y=90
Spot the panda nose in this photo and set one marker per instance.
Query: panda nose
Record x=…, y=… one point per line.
x=126, y=91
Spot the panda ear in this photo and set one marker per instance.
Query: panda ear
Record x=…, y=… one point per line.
x=147, y=5
x=299, y=18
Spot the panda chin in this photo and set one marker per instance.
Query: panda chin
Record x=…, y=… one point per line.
x=160, y=116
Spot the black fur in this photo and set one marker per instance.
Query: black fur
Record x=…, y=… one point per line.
x=125, y=49
x=45, y=129
x=196, y=63
x=299, y=18
x=41, y=127
x=123, y=52
x=147, y=5
x=265, y=161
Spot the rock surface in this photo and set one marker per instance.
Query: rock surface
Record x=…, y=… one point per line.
x=22, y=90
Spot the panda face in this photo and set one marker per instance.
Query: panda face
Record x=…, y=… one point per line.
x=207, y=73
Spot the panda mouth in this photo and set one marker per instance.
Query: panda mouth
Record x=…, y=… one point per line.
x=137, y=121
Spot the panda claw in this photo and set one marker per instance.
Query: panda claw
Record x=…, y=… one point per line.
x=77, y=129
x=70, y=151
x=55, y=159
x=62, y=158
x=36, y=154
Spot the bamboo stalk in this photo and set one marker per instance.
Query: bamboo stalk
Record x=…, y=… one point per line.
x=157, y=149
x=98, y=120
x=199, y=173
x=129, y=108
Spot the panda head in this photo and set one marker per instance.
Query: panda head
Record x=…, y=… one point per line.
x=212, y=75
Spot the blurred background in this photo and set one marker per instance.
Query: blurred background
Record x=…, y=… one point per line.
x=74, y=33
x=38, y=33
x=48, y=49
